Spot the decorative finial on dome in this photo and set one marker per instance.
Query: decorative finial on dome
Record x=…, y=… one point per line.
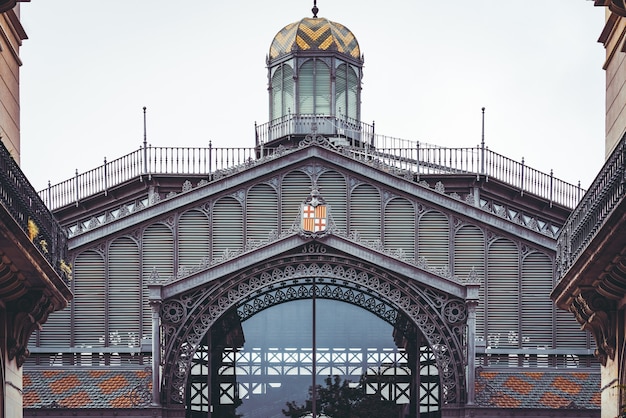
x=315, y=9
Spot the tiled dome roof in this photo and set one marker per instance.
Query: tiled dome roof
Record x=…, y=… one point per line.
x=314, y=34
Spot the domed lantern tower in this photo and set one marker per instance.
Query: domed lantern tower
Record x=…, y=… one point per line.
x=315, y=68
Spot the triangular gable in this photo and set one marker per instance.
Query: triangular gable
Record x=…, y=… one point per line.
x=313, y=156
x=285, y=247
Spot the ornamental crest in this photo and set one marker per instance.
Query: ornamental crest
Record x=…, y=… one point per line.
x=314, y=214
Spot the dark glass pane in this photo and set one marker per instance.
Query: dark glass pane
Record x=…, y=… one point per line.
x=274, y=366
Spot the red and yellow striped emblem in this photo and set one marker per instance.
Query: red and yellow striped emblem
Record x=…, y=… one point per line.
x=314, y=218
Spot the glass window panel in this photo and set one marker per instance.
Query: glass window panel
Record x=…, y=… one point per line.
x=288, y=90
x=277, y=103
x=346, y=91
x=322, y=88
x=341, y=87
x=306, y=88
x=353, y=98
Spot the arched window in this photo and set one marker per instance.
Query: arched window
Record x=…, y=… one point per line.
x=314, y=88
x=124, y=294
x=346, y=91
x=282, y=91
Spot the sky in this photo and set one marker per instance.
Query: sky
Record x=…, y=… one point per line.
x=198, y=66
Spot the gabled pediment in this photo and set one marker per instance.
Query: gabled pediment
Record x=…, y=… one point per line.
x=462, y=200
x=342, y=250
x=298, y=267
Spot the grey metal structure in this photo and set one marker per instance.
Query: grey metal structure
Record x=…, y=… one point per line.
x=236, y=243
x=173, y=249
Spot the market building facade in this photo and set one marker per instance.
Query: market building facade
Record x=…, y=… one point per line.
x=214, y=282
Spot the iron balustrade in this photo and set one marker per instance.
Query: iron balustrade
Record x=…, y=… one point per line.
x=352, y=130
x=23, y=203
x=145, y=161
x=607, y=191
x=433, y=160
x=394, y=153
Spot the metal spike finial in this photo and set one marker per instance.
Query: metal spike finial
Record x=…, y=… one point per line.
x=315, y=9
x=145, y=143
x=145, y=137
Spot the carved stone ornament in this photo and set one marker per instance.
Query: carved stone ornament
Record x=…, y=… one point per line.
x=25, y=315
x=616, y=6
x=6, y=5
x=597, y=315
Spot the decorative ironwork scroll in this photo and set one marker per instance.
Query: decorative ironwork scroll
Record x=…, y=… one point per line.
x=439, y=317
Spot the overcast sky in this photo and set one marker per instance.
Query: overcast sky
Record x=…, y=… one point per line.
x=89, y=67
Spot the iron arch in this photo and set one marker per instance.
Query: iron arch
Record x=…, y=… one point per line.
x=441, y=318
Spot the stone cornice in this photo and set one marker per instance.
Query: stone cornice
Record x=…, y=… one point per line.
x=6, y=5
x=616, y=6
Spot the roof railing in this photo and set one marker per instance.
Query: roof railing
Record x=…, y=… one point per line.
x=416, y=157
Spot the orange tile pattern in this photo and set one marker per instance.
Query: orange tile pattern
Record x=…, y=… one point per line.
x=497, y=389
x=30, y=398
x=64, y=384
x=86, y=388
x=97, y=373
x=111, y=384
x=596, y=399
x=567, y=385
x=49, y=374
x=77, y=400
x=550, y=389
x=552, y=400
x=519, y=385
x=121, y=402
x=489, y=375
x=506, y=401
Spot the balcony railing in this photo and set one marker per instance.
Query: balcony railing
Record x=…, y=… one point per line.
x=28, y=210
x=418, y=158
x=351, y=130
x=606, y=192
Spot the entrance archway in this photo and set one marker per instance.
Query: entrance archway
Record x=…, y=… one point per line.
x=403, y=301
x=362, y=364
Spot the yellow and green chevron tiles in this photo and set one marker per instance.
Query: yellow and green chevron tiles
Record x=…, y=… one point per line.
x=314, y=34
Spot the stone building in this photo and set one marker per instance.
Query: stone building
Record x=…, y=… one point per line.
x=591, y=257
x=32, y=244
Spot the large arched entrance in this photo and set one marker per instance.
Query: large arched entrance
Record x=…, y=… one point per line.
x=363, y=365
x=425, y=309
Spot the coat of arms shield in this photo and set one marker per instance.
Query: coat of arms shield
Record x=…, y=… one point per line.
x=314, y=213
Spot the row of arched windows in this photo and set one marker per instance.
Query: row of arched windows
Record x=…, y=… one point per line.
x=110, y=304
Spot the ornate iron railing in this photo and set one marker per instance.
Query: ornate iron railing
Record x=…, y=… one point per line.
x=419, y=158
x=28, y=210
x=606, y=192
x=351, y=130
x=479, y=161
x=145, y=161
